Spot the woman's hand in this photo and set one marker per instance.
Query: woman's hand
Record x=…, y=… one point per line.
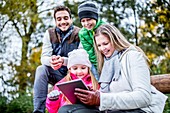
x=88, y=97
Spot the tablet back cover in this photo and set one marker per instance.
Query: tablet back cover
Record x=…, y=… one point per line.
x=68, y=89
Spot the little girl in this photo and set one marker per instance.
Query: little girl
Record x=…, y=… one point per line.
x=79, y=68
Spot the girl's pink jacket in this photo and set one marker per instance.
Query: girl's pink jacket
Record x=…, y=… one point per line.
x=53, y=106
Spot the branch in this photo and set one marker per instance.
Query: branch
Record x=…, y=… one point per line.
x=167, y=3
x=1, y=77
x=15, y=25
x=136, y=29
x=45, y=10
x=25, y=26
x=4, y=24
x=41, y=3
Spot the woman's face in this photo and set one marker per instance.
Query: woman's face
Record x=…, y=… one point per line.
x=79, y=70
x=104, y=45
x=88, y=23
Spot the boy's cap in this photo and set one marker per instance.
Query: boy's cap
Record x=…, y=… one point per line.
x=78, y=56
x=88, y=10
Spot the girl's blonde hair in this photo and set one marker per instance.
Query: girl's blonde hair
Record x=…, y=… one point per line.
x=117, y=40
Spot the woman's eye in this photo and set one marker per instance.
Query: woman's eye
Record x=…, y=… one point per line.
x=98, y=45
x=105, y=43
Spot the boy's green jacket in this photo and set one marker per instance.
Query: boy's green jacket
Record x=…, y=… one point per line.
x=86, y=38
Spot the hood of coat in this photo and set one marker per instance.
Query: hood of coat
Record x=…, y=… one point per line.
x=131, y=48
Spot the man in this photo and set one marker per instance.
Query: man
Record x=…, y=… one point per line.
x=57, y=43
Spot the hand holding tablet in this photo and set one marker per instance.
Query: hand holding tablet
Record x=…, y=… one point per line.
x=68, y=88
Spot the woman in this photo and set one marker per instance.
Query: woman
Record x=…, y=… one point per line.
x=125, y=78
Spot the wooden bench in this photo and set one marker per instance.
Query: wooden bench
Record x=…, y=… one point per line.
x=161, y=82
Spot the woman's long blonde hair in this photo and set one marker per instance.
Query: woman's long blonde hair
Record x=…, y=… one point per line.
x=116, y=38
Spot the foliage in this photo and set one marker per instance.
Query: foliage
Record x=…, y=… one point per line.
x=167, y=106
x=3, y=104
x=22, y=104
x=117, y=12
x=74, y=8
x=22, y=19
x=155, y=33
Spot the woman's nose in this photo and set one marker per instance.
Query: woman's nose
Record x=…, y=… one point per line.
x=102, y=48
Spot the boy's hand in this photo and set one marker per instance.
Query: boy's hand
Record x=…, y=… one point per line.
x=88, y=97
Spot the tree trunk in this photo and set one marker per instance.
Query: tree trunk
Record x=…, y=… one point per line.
x=161, y=82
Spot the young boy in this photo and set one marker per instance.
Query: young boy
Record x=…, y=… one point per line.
x=89, y=18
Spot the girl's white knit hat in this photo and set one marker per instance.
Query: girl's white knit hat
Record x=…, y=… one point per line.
x=78, y=56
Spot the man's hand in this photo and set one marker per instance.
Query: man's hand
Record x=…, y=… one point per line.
x=88, y=97
x=56, y=62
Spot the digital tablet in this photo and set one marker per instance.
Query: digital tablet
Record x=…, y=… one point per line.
x=68, y=89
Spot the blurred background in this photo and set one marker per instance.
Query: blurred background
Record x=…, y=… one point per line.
x=145, y=23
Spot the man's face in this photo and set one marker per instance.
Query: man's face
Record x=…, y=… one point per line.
x=63, y=20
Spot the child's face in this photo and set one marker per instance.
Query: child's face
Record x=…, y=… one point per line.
x=79, y=70
x=88, y=23
x=104, y=45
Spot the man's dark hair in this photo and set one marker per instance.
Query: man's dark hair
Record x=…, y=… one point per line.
x=61, y=8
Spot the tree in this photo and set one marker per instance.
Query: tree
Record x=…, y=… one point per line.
x=21, y=19
x=155, y=34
